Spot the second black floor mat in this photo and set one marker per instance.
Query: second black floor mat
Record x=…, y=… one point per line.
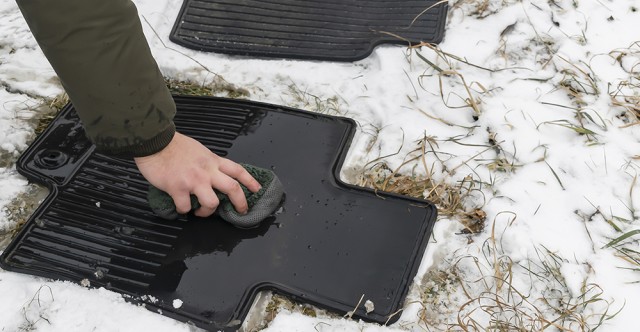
x=342, y=30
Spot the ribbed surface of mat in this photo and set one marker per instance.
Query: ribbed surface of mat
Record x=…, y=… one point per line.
x=343, y=30
x=85, y=234
x=100, y=227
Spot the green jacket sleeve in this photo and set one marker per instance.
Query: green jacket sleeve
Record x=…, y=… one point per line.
x=99, y=51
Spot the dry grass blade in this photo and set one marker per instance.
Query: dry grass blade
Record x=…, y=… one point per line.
x=34, y=311
x=555, y=175
x=621, y=238
x=426, y=10
x=470, y=100
x=630, y=256
x=578, y=129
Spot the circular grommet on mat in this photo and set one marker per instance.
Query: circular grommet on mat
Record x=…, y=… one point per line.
x=51, y=158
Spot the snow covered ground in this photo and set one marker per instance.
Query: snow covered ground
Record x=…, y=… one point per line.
x=525, y=111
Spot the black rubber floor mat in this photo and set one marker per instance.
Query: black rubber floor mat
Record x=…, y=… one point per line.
x=330, y=245
x=342, y=30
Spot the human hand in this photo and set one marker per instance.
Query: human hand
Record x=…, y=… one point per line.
x=185, y=167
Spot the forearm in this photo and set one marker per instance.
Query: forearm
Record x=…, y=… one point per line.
x=99, y=51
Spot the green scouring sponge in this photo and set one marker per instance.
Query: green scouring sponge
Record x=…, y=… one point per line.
x=261, y=204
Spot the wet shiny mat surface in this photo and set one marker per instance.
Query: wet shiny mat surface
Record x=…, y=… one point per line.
x=330, y=245
x=341, y=30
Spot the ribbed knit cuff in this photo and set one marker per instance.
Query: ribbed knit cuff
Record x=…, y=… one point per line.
x=147, y=148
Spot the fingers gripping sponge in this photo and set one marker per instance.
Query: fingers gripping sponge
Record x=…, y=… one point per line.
x=261, y=204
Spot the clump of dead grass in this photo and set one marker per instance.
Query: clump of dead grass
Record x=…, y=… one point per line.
x=481, y=294
x=578, y=81
x=451, y=198
x=446, y=70
x=55, y=105
x=217, y=87
x=479, y=8
x=580, y=85
x=625, y=94
x=308, y=101
x=448, y=198
x=626, y=97
x=20, y=209
x=278, y=303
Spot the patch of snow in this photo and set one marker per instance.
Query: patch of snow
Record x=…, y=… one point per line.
x=547, y=78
